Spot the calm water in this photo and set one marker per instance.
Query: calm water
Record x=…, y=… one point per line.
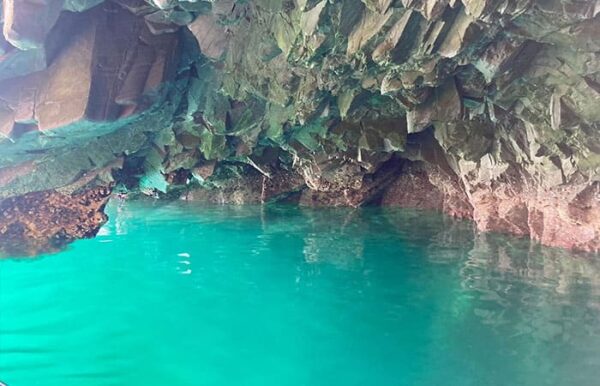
x=174, y=294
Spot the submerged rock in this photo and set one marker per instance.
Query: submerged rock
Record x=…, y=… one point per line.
x=481, y=109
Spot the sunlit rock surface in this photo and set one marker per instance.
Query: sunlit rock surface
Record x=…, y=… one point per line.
x=486, y=110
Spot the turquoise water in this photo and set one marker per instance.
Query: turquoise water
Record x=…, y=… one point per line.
x=175, y=294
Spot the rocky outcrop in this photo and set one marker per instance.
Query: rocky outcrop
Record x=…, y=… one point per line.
x=482, y=109
x=565, y=216
x=42, y=222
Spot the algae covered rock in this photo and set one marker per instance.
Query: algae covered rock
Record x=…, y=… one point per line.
x=490, y=107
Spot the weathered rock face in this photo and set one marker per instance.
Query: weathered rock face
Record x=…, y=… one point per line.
x=45, y=221
x=482, y=109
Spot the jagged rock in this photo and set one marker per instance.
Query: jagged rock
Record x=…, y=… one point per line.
x=427, y=186
x=114, y=69
x=482, y=109
x=42, y=222
x=444, y=105
x=250, y=188
x=211, y=36
x=27, y=22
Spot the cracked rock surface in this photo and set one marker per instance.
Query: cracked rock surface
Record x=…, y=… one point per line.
x=482, y=109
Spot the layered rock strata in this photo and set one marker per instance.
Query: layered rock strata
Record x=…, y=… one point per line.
x=485, y=110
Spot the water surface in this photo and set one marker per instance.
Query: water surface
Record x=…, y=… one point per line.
x=175, y=294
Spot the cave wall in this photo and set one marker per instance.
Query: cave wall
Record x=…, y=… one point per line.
x=482, y=109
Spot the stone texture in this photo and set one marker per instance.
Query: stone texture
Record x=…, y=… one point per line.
x=116, y=61
x=482, y=109
x=43, y=222
x=27, y=22
x=424, y=185
x=251, y=187
x=211, y=36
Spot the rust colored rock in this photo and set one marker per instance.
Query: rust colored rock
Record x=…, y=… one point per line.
x=103, y=62
x=488, y=109
x=46, y=221
x=204, y=171
x=19, y=97
x=566, y=217
x=211, y=36
x=128, y=61
x=63, y=98
x=424, y=185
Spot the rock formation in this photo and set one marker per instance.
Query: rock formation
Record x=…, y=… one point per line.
x=483, y=109
x=46, y=221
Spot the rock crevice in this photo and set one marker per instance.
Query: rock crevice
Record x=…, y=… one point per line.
x=485, y=110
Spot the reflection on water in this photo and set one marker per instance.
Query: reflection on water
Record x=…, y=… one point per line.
x=182, y=295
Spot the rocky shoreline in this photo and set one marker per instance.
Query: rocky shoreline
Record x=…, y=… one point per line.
x=484, y=110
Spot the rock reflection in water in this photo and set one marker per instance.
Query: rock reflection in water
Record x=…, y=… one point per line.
x=336, y=242
x=369, y=295
x=498, y=273
x=340, y=236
